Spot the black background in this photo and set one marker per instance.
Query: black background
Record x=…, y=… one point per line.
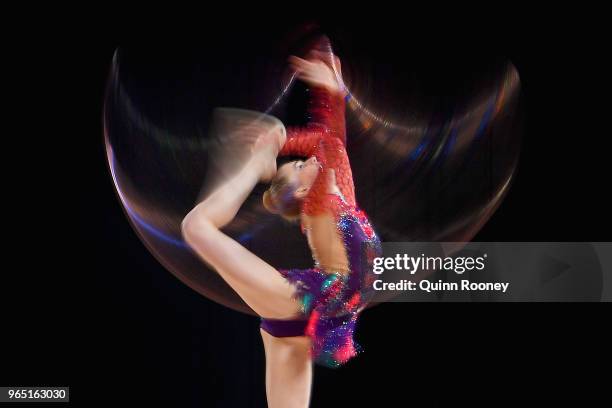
x=86, y=305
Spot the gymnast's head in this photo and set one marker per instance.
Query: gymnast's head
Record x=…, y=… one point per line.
x=290, y=186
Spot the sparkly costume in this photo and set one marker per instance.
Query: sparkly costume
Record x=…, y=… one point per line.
x=331, y=301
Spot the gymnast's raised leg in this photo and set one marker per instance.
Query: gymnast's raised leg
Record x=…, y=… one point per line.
x=288, y=363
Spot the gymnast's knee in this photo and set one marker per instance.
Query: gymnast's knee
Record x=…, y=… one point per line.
x=294, y=347
x=194, y=226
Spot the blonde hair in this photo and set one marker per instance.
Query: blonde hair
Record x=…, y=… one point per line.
x=279, y=199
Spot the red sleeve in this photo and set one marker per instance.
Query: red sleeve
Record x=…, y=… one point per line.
x=301, y=141
x=327, y=109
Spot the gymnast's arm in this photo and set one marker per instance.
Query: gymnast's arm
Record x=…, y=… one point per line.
x=327, y=121
x=326, y=104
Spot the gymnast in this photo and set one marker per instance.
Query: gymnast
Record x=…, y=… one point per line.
x=307, y=315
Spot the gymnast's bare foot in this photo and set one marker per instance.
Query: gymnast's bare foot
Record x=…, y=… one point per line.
x=243, y=136
x=266, y=148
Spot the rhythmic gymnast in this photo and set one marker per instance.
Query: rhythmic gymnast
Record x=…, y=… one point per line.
x=306, y=314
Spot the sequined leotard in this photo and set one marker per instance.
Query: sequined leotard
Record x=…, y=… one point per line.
x=331, y=301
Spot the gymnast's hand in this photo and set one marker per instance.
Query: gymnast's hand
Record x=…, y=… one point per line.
x=316, y=72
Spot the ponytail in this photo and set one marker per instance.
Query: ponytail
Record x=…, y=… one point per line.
x=269, y=203
x=288, y=207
